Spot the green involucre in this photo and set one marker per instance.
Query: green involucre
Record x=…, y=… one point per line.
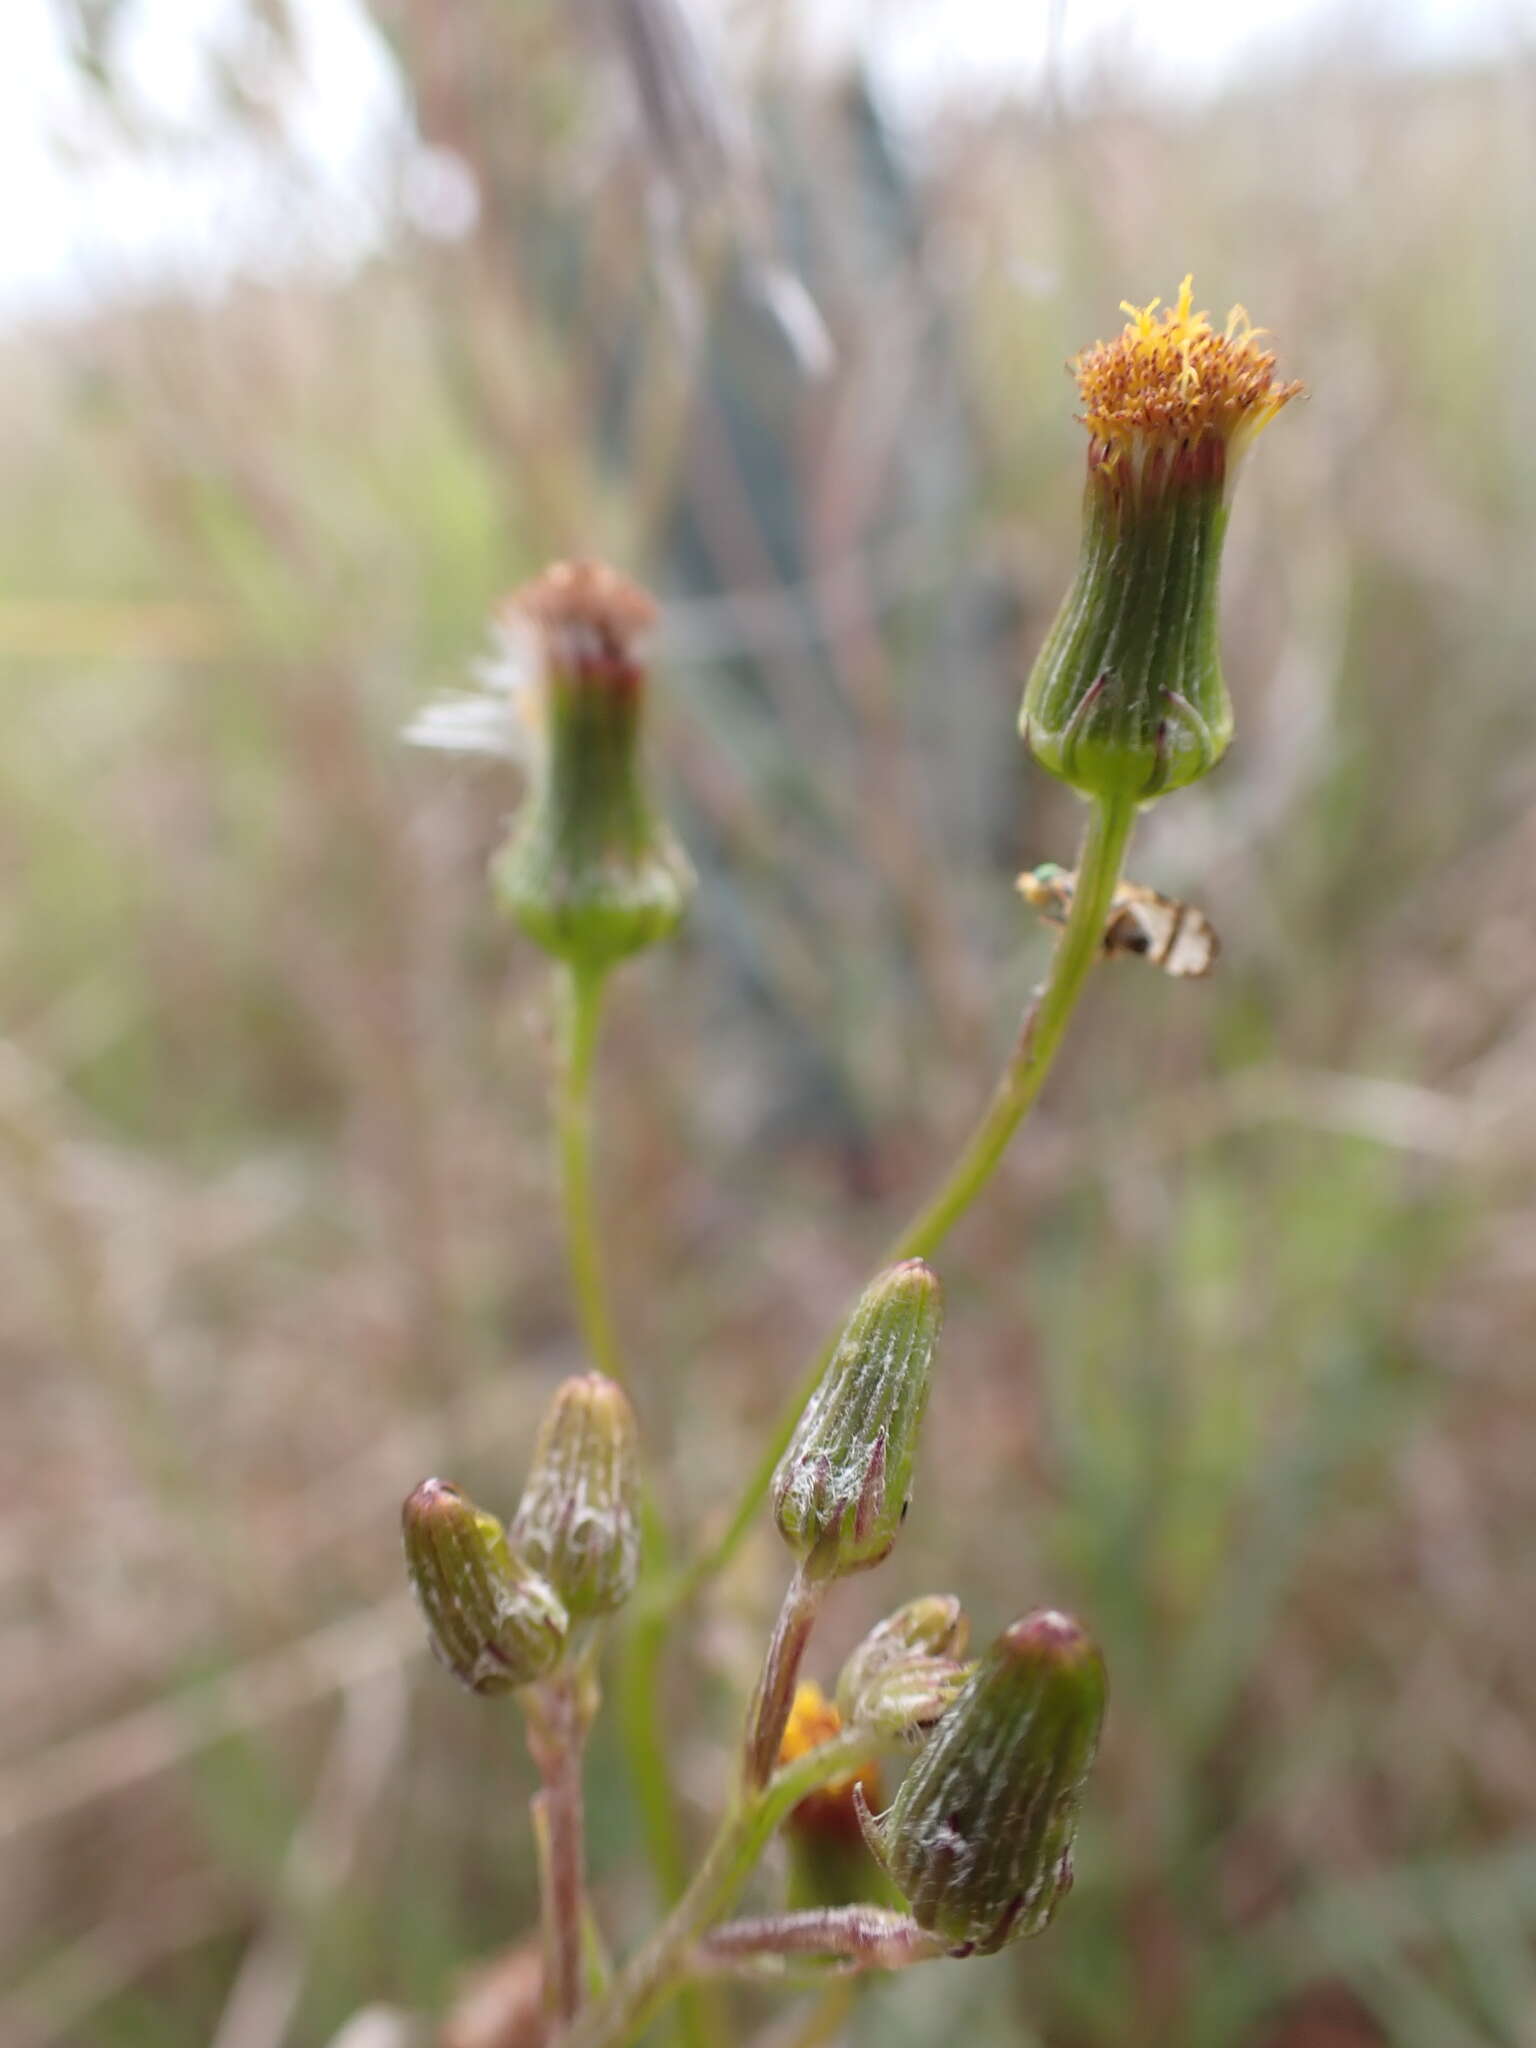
x=492, y=1619
x=591, y=872
x=1127, y=698
x=842, y=1487
x=579, y=1518
x=979, y=1837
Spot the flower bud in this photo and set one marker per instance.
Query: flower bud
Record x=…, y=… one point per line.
x=491, y=1619
x=1127, y=697
x=979, y=1837
x=907, y=1671
x=590, y=872
x=841, y=1490
x=579, y=1518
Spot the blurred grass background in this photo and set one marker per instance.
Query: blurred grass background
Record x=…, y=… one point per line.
x=1239, y=1347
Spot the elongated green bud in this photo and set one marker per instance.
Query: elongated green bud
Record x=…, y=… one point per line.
x=1127, y=697
x=491, y=1618
x=907, y=1672
x=842, y=1487
x=979, y=1837
x=579, y=1518
x=591, y=872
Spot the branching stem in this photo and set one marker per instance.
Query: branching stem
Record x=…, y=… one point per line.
x=660, y=1969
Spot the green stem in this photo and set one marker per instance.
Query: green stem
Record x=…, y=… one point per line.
x=1045, y=1025
x=699, y=2020
x=660, y=1970
x=639, y=1680
x=638, y=1699
x=580, y=1009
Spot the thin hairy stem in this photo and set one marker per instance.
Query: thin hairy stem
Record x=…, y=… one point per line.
x=1029, y=1064
x=642, y=1730
x=580, y=1003
x=862, y=1937
x=555, y=1739
x=638, y=1700
x=1045, y=1026
x=771, y=1703
x=580, y=1012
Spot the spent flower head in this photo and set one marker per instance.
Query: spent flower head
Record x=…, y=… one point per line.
x=1127, y=697
x=591, y=871
x=492, y=1619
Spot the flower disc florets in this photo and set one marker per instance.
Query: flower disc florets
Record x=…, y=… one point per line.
x=1170, y=380
x=1127, y=698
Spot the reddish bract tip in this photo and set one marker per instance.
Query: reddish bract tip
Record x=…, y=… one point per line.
x=1048, y=1633
x=432, y=1497
x=589, y=616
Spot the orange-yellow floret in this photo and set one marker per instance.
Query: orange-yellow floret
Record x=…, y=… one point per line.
x=813, y=1720
x=1170, y=376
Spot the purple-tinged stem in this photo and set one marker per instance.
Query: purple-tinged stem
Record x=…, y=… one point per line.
x=775, y=1694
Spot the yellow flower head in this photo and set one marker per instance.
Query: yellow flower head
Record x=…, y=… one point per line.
x=1170, y=377
x=813, y=1720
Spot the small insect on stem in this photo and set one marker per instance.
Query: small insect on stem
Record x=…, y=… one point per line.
x=1171, y=934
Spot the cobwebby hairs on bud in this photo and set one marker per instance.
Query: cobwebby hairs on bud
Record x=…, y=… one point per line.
x=979, y=1837
x=492, y=1620
x=578, y=1521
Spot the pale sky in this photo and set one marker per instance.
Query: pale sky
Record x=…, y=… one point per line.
x=82, y=217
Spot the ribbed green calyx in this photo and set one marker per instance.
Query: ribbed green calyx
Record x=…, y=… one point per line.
x=591, y=871
x=907, y=1671
x=1127, y=697
x=842, y=1487
x=492, y=1618
x=579, y=1518
x=979, y=1837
